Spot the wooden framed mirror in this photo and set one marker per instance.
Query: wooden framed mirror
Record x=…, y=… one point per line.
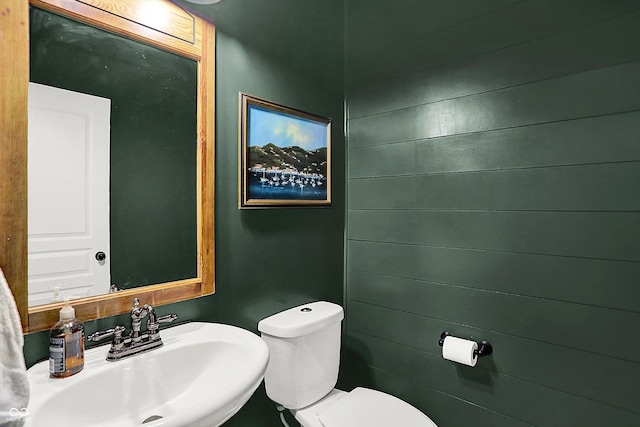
x=157, y=23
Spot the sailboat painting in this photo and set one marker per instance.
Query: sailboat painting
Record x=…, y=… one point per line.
x=284, y=156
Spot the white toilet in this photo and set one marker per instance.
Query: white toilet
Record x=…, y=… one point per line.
x=304, y=357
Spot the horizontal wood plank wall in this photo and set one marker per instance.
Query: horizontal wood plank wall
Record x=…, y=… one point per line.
x=494, y=192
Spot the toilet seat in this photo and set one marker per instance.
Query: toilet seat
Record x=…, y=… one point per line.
x=364, y=407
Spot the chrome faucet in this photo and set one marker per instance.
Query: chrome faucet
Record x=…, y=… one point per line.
x=136, y=342
x=137, y=314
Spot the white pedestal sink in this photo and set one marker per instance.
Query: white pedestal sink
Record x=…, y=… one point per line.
x=202, y=376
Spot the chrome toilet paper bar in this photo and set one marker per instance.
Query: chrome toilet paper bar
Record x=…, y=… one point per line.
x=484, y=348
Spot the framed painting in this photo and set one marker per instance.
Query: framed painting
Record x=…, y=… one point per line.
x=284, y=156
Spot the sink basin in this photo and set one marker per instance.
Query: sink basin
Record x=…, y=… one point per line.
x=202, y=376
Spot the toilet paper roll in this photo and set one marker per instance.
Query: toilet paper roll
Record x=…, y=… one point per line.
x=459, y=350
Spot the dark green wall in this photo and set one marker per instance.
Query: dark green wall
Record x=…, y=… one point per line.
x=492, y=185
x=493, y=171
x=289, y=52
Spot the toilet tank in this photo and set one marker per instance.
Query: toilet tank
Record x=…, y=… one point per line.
x=304, y=353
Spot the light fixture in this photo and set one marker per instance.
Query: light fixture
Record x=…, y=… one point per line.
x=204, y=1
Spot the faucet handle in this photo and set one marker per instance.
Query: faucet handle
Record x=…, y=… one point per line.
x=116, y=333
x=153, y=327
x=100, y=335
x=167, y=318
x=155, y=324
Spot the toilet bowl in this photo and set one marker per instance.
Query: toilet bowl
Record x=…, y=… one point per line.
x=304, y=358
x=359, y=408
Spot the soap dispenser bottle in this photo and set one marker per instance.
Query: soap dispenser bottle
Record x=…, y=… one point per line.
x=66, y=344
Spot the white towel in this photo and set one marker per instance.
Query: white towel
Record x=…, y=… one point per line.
x=14, y=385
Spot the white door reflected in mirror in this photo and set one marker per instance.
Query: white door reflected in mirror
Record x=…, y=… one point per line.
x=68, y=181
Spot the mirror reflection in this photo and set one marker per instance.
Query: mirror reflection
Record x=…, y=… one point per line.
x=113, y=164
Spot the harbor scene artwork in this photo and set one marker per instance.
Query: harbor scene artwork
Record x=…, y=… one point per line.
x=284, y=156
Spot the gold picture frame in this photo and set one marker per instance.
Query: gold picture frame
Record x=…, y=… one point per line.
x=284, y=156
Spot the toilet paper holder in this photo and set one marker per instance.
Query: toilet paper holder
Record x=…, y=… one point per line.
x=484, y=348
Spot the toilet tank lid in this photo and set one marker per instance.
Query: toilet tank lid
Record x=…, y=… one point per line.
x=302, y=320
